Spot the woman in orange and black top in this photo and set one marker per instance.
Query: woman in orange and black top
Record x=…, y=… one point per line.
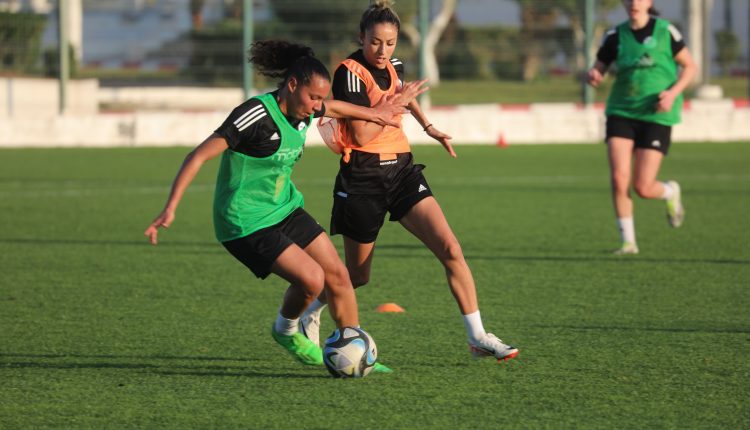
x=377, y=175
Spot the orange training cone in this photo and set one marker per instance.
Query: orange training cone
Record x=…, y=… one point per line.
x=389, y=307
x=501, y=141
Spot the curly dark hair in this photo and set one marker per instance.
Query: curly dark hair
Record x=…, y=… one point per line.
x=282, y=59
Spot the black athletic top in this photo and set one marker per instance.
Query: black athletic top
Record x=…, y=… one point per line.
x=251, y=131
x=608, y=51
x=366, y=173
x=351, y=89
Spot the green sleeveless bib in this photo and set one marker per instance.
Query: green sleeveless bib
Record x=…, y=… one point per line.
x=254, y=193
x=643, y=71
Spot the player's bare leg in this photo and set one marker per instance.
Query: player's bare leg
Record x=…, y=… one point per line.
x=427, y=222
x=358, y=262
x=620, y=153
x=647, y=165
x=358, y=258
x=338, y=287
x=306, y=279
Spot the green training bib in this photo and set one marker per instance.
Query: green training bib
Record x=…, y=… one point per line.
x=643, y=71
x=254, y=193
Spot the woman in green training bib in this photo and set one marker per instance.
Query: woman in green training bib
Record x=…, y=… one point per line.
x=258, y=212
x=644, y=103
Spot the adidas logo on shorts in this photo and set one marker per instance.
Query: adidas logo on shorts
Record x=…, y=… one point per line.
x=421, y=188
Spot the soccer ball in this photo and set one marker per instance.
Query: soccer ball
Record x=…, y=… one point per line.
x=349, y=353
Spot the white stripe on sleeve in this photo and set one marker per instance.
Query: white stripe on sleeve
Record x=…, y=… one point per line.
x=675, y=33
x=249, y=112
x=250, y=121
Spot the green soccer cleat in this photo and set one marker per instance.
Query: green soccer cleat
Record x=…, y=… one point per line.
x=675, y=210
x=300, y=347
x=381, y=368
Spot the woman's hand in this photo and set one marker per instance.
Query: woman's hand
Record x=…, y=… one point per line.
x=385, y=110
x=164, y=220
x=666, y=100
x=594, y=77
x=210, y=148
x=442, y=138
x=409, y=91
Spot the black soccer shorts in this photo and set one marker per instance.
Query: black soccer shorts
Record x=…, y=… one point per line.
x=380, y=187
x=259, y=250
x=646, y=135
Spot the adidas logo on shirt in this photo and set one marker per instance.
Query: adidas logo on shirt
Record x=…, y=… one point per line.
x=275, y=136
x=421, y=188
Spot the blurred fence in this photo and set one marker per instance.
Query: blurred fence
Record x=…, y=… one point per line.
x=199, y=42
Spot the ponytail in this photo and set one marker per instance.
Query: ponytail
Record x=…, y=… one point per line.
x=379, y=12
x=282, y=59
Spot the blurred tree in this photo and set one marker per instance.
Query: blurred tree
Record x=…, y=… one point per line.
x=574, y=10
x=538, y=22
x=333, y=25
x=408, y=12
x=437, y=27
x=728, y=47
x=233, y=9
x=20, y=42
x=196, y=13
x=329, y=26
x=727, y=43
x=457, y=57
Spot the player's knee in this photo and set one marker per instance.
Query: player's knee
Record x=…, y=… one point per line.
x=452, y=252
x=314, y=281
x=338, y=277
x=620, y=181
x=642, y=189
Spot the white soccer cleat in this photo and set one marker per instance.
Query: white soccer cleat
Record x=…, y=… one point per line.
x=491, y=346
x=627, y=248
x=675, y=210
x=309, y=325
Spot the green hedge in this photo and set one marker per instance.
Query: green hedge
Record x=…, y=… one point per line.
x=20, y=42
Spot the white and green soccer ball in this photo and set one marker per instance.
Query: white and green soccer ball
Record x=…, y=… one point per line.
x=349, y=352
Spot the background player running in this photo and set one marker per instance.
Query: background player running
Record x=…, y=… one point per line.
x=644, y=103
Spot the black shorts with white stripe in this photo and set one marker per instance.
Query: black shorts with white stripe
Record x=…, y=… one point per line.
x=367, y=188
x=646, y=135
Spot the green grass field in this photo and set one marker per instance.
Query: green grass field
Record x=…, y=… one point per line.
x=564, y=89
x=100, y=330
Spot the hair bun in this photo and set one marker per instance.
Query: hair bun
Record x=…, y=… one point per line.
x=381, y=4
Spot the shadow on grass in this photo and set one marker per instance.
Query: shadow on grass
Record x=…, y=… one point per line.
x=602, y=256
x=647, y=329
x=62, y=362
x=144, y=242
x=384, y=252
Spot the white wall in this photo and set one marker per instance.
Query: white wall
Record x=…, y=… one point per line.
x=185, y=116
x=30, y=97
